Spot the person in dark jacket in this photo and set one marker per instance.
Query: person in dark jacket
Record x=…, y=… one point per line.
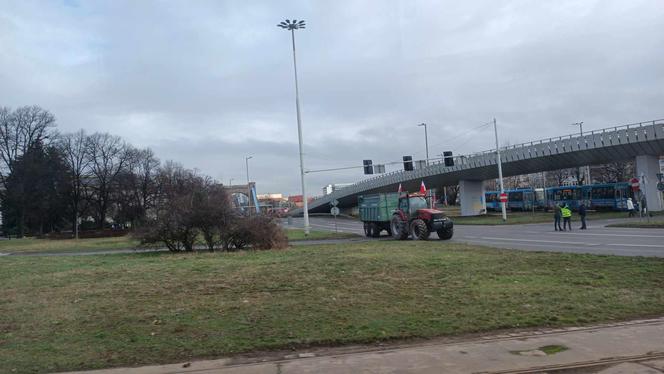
x=556, y=218
x=582, y=214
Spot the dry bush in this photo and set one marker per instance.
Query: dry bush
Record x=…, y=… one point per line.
x=256, y=232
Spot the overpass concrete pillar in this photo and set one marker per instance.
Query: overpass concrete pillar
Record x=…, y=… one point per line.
x=648, y=166
x=471, y=197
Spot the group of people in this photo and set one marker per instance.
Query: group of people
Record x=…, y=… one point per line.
x=565, y=213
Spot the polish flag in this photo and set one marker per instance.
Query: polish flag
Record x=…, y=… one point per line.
x=399, y=190
x=423, y=189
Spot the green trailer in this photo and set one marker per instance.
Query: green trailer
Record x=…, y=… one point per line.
x=376, y=212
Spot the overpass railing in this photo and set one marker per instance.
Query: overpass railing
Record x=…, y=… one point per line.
x=473, y=159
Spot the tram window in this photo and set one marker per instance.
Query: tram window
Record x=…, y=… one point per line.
x=516, y=196
x=603, y=193
x=566, y=194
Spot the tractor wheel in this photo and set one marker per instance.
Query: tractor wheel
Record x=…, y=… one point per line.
x=367, y=229
x=375, y=230
x=399, y=228
x=445, y=234
x=419, y=230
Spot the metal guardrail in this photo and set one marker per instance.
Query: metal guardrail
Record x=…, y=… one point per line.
x=471, y=160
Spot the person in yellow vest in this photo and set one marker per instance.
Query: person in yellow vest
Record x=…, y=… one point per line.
x=566, y=212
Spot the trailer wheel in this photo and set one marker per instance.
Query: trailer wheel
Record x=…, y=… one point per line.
x=367, y=229
x=375, y=230
x=419, y=230
x=399, y=228
x=445, y=234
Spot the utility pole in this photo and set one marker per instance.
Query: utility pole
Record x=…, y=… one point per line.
x=442, y=157
x=292, y=26
x=500, y=170
x=426, y=140
x=246, y=161
x=586, y=169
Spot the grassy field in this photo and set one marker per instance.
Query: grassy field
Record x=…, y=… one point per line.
x=66, y=245
x=298, y=234
x=515, y=218
x=69, y=313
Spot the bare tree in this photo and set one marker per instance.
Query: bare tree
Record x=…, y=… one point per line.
x=74, y=149
x=137, y=185
x=107, y=155
x=619, y=171
x=20, y=130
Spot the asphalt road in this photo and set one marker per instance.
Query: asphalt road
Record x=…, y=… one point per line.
x=597, y=239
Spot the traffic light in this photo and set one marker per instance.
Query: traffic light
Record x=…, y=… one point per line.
x=449, y=160
x=368, y=167
x=408, y=163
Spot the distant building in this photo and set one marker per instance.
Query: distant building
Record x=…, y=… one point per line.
x=296, y=200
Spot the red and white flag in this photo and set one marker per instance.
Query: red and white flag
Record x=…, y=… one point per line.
x=399, y=190
x=423, y=189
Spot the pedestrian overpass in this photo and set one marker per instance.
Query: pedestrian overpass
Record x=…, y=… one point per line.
x=642, y=141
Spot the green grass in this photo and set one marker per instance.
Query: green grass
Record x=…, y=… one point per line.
x=640, y=224
x=516, y=218
x=85, y=312
x=298, y=234
x=66, y=245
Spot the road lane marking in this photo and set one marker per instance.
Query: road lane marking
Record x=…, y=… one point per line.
x=637, y=245
x=535, y=240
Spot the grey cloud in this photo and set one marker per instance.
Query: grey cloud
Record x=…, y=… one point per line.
x=209, y=82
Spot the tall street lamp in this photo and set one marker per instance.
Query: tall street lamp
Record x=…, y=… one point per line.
x=292, y=26
x=426, y=140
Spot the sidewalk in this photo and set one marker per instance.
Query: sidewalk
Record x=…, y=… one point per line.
x=599, y=349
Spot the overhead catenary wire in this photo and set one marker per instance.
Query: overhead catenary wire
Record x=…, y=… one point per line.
x=469, y=132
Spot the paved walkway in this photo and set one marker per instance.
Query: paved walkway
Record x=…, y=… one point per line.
x=631, y=347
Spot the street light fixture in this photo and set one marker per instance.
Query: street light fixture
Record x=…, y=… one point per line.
x=292, y=26
x=426, y=140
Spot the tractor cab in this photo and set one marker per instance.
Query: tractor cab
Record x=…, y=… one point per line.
x=410, y=204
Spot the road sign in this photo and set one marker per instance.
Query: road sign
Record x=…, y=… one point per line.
x=503, y=197
x=334, y=202
x=334, y=211
x=660, y=186
x=635, y=184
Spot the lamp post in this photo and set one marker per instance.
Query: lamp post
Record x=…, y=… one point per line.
x=292, y=26
x=426, y=140
x=500, y=171
x=586, y=169
x=230, y=181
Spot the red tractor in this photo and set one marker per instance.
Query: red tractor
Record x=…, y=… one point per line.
x=414, y=217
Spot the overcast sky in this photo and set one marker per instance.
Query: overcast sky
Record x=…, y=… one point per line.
x=205, y=83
